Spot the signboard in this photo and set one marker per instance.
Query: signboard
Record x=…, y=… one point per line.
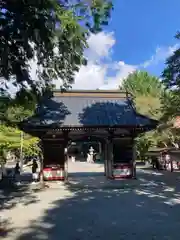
x=122, y=170
x=53, y=174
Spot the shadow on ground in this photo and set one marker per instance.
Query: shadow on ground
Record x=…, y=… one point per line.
x=148, y=212
x=85, y=174
x=5, y=227
x=12, y=195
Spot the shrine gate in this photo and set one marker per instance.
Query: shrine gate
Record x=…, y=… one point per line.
x=110, y=116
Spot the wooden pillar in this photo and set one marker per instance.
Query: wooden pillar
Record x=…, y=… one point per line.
x=110, y=159
x=171, y=164
x=66, y=163
x=100, y=148
x=104, y=157
x=134, y=159
x=108, y=149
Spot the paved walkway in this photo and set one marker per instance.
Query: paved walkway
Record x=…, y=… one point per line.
x=145, y=211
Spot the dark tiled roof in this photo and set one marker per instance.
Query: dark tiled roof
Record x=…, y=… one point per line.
x=97, y=110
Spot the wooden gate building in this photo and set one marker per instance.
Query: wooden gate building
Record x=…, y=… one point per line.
x=108, y=116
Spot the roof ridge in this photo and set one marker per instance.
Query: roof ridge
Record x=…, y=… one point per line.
x=93, y=93
x=90, y=91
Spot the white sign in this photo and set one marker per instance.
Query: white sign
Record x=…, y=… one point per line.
x=122, y=172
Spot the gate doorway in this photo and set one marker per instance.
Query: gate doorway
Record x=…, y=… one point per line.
x=79, y=168
x=78, y=151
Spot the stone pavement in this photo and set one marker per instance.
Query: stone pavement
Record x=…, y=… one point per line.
x=149, y=210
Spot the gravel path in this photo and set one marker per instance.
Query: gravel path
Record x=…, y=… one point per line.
x=151, y=212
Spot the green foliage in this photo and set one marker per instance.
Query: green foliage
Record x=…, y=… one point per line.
x=11, y=112
x=16, y=114
x=147, y=91
x=10, y=135
x=171, y=99
x=3, y=148
x=153, y=100
x=10, y=141
x=170, y=105
x=143, y=143
x=167, y=136
x=149, y=106
x=171, y=74
x=141, y=83
x=52, y=32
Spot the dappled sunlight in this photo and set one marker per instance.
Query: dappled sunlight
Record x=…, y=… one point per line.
x=169, y=189
x=172, y=201
x=151, y=172
x=145, y=182
x=103, y=212
x=5, y=226
x=158, y=189
x=149, y=194
x=86, y=212
x=12, y=197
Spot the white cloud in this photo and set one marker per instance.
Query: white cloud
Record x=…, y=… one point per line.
x=95, y=74
x=122, y=71
x=100, y=45
x=90, y=77
x=161, y=54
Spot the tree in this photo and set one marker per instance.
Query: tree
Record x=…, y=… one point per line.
x=147, y=91
x=171, y=79
x=141, y=83
x=171, y=99
x=167, y=133
x=171, y=74
x=10, y=142
x=53, y=33
x=12, y=113
x=170, y=105
x=10, y=136
x=143, y=143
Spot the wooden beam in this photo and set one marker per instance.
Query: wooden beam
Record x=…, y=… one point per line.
x=101, y=94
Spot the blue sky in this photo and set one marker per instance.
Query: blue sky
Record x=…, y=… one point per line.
x=140, y=36
x=141, y=26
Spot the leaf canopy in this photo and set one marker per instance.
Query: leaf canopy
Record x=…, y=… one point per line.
x=51, y=33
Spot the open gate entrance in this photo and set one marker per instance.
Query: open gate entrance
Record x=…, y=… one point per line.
x=85, y=158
